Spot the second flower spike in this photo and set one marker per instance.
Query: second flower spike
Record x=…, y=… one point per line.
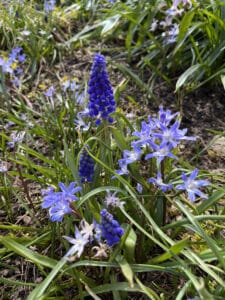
x=86, y=167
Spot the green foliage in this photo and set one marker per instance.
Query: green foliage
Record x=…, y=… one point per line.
x=166, y=237
x=196, y=56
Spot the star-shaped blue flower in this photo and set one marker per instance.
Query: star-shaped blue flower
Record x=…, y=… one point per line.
x=192, y=186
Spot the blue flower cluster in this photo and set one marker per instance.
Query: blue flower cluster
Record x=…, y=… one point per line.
x=59, y=203
x=160, y=136
x=10, y=64
x=86, y=167
x=169, y=25
x=111, y=230
x=157, y=135
x=101, y=99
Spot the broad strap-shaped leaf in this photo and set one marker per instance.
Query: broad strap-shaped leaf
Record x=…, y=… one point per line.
x=175, y=249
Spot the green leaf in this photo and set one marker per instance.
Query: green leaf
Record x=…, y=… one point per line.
x=110, y=23
x=185, y=77
x=222, y=77
x=97, y=191
x=16, y=282
x=146, y=290
x=211, y=200
x=21, y=250
x=175, y=249
x=126, y=269
x=129, y=246
x=120, y=141
x=210, y=242
x=118, y=286
x=133, y=76
x=139, y=268
x=185, y=24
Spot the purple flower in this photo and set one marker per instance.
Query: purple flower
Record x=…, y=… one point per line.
x=172, y=34
x=112, y=200
x=139, y=188
x=79, y=243
x=128, y=158
x=167, y=22
x=145, y=134
x=80, y=123
x=49, y=5
x=3, y=167
x=14, y=53
x=73, y=85
x=111, y=230
x=49, y=92
x=160, y=152
x=101, y=99
x=67, y=193
x=15, y=81
x=6, y=65
x=86, y=167
x=154, y=25
x=18, y=71
x=66, y=85
x=187, y=3
x=9, y=124
x=158, y=181
x=131, y=156
x=59, y=203
x=50, y=197
x=192, y=186
x=172, y=135
x=79, y=97
x=21, y=57
x=60, y=209
x=174, y=11
x=165, y=116
x=98, y=232
x=123, y=167
x=17, y=137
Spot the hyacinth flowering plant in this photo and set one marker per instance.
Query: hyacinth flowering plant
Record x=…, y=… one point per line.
x=116, y=183
x=119, y=182
x=126, y=211
x=155, y=142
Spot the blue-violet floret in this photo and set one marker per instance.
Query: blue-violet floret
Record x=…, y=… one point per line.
x=59, y=203
x=191, y=186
